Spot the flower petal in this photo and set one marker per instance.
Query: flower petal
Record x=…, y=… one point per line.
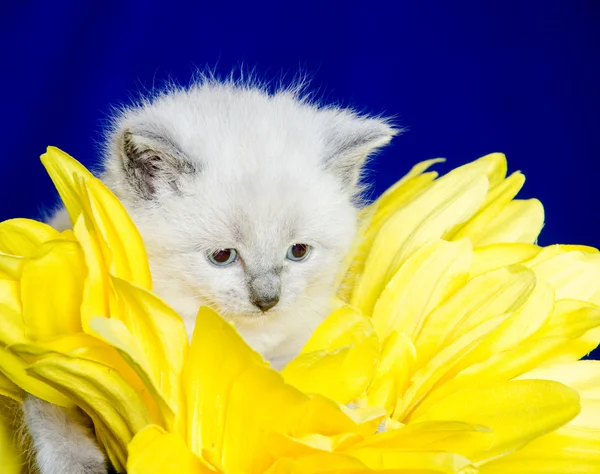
x=393, y=374
x=82, y=193
x=518, y=221
x=23, y=236
x=517, y=411
x=100, y=391
x=495, y=256
x=160, y=336
x=51, y=288
x=154, y=451
x=11, y=455
x=497, y=199
x=427, y=278
x=231, y=398
x=573, y=275
x=9, y=389
x=449, y=201
x=339, y=359
x=485, y=297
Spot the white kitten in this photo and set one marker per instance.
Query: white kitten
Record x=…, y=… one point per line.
x=246, y=202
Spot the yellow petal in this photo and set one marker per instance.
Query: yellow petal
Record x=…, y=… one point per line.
x=497, y=199
x=392, y=377
x=116, y=333
x=14, y=368
x=449, y=201
x=117, y=236
x=51, y=288
x=518, y=221
x=339, y=359
x=573, y=275
x=517, y=411
x=496, y=168
x=421, y=284
x=11, y=457
x=96, y=287
x=90, y=349
x=417, y=170
x=496, y=356
x=216, y=359
x=10, y=296
x=161, y=342
x=64, y=171
x=100, y=391
x=11, y=266
x=372, y=219
x=127, y=252
x=551, y=454
x=23, y=236
x=153, y=451
x=582, y=375
x=323, y=463
x=494, y=256
x=490, y=295
x=577, y=323
x=235, y=400
x=445, y=365
x=448, y=436
x=419, y=461
x=9, y=389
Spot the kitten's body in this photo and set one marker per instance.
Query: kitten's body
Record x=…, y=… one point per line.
x=221, y=166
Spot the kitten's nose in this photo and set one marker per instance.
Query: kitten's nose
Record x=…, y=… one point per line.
x=265, y=303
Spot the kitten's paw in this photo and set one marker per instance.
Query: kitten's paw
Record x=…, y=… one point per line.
x=89, y=462
x=62, y=439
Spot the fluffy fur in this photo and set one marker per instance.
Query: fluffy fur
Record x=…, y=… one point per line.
x=224, y=165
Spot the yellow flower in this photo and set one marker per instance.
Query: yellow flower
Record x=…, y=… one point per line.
x=454, y=348
x=70, y=304
x=456, y=309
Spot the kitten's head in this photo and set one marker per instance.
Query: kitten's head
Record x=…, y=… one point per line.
x=245, y=200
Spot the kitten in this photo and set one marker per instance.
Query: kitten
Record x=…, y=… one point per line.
x=247, y=202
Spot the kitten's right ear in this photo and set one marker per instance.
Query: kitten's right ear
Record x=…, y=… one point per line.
x=152, y=161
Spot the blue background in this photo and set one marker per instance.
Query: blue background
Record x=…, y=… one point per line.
x=466, y=78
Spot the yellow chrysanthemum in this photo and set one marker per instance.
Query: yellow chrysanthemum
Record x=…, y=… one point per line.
x=455, y=347
x=455, y=303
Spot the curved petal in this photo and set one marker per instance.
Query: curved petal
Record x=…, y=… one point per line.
x=427, y=278
x=518, y=221
x=339, y=359
x=234, y=400
x=23, y=236
x=485, y=297
x=517, y=412
x=100, y=391
x=154, y=451
x=51, y=288
x=449, y=201
x=477, y=227
x=11, y=455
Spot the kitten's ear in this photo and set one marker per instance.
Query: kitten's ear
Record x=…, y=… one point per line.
x=349, y=140
x=152, y=161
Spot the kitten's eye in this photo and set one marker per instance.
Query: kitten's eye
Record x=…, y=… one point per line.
x=298, y=252
x=222, y=257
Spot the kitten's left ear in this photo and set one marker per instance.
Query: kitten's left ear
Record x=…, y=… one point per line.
x=349, y=140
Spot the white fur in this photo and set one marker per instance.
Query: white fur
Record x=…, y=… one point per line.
x=232, y=166
x=62, y=439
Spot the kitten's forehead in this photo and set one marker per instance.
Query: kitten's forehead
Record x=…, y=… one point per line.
x=220, y=126
x=256, y=206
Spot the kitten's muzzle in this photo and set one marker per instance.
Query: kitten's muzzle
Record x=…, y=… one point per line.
x=264, y=290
